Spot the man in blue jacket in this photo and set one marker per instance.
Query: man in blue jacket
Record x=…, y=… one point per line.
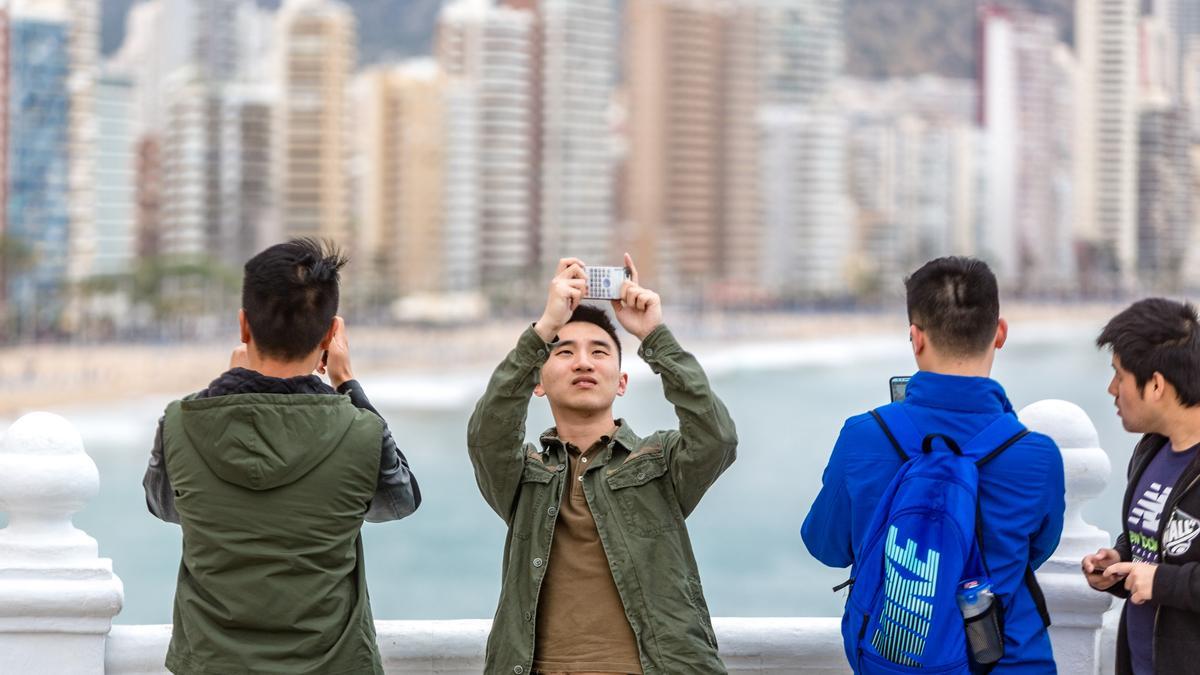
x=955, y=329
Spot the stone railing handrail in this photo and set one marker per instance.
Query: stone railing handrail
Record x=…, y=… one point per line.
x=758, y=645
x=58, y=597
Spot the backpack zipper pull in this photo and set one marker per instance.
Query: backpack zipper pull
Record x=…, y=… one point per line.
x=848, y=582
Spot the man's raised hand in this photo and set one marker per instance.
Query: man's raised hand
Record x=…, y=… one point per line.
x=567, y=289
x=240, y=358
x=639, y=310
x=337, y=363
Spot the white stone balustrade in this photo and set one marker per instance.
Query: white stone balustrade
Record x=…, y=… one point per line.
x=57, y=597
x=1076, y=610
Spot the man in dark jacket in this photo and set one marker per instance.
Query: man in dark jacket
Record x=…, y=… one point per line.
x=271, y=473
x=599, y=576
x=1155, y=563
x=955, y=329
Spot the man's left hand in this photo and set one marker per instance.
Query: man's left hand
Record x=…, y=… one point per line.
x=1139, y=579
x=639, y=310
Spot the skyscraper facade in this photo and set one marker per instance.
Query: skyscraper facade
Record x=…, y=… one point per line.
x=686, y=175
x=191, y=162
x=578, y=64
x=807, y=238
x=38, y=193
x=1105, y=177
x=915, y=176
x=402, y=144
x=1166, y=216
x=1027, y=235
x=489, y=55
x=84, y=22
x=247, y=203
x=115, y=234
x=316, y=51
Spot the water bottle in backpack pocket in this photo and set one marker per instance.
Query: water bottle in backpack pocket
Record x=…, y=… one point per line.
x=984, y=621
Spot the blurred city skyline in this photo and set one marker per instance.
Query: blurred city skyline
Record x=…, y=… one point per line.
x=721, y=142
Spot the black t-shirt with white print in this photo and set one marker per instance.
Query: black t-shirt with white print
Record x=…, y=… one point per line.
x=1144, y=521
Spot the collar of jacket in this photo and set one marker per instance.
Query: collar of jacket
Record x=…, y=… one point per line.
x=246, y=381
x=623, y=437
x=957, y=392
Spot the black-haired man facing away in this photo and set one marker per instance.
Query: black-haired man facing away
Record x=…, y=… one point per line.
x=271, y=473
x=598, y=572
x=1155, y=563
x=955, y=329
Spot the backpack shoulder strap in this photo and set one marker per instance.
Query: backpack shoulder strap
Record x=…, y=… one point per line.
x=899, y=429
x=1000, y=435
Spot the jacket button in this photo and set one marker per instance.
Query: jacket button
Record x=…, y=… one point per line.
x=518, y=669
x=641, y=476
x=528, y=616
x=648, y=352
x=538, y=562
x=552, y=511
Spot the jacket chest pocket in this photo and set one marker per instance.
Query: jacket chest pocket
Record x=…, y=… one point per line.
x=644, y=495
x=532, y=498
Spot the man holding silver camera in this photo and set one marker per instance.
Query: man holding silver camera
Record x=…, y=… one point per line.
x=598, y=571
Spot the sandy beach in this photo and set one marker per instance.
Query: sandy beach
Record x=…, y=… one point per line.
x=33, y=377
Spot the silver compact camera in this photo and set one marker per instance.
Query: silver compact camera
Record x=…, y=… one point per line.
x=604, y=283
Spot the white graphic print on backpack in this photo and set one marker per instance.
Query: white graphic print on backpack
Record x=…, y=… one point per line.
x=908, y=608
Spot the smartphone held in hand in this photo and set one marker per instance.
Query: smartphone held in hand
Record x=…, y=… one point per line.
x=604, y=283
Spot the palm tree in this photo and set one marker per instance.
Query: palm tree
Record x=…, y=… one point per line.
x=16, y=257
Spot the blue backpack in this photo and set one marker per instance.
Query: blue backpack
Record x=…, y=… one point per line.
x=924, y=539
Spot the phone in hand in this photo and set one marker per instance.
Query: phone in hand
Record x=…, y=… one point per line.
x=604, y=283
x=899, y=387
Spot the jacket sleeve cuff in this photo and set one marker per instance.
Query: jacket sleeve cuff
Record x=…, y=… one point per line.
x=358, y=396
x=660, y=342
x=531, y=351
x=1173, y=587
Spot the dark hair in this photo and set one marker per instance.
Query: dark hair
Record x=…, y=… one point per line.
x=1157, y=335
x=290, y=296
x=595, y=315
x=956, y=302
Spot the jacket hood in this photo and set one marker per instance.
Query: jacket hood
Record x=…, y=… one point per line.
x=261, y=441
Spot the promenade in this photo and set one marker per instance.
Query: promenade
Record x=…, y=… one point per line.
x=34, y=377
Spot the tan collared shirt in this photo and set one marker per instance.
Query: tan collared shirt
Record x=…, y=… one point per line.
x=581, y=622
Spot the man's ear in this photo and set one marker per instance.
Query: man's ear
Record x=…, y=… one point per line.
x=538, y=390
x=917, y=337
x=622, y=384
x=329, y=333
x=1001, y=333
x=1157, y=386
x=244, y=326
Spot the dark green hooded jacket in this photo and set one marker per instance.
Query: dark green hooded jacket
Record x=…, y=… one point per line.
x=271, y=491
